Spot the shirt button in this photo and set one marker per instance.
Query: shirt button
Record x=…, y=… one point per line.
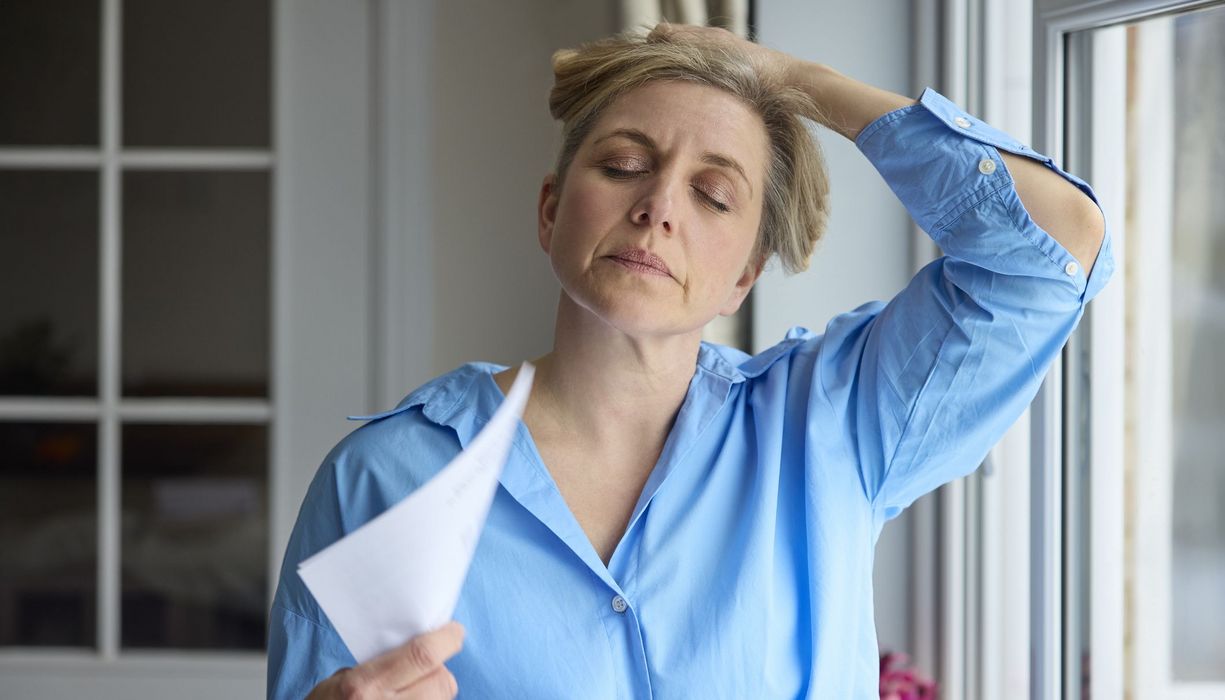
x=962, y=122
x=1071, y=268
x=618, y=604
x=986, y=166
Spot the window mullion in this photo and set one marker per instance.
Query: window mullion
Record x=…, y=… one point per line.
x=108, y=371
x=1046, y=576
x=1106, y=394
x=55, y=158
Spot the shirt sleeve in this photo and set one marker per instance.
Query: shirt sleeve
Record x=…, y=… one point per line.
x=303, y=646
x=368, y=471
x=932, y=379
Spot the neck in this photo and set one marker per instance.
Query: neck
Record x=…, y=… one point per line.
x=602, y=384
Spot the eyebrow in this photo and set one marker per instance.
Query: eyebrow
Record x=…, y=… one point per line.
x=716, y=159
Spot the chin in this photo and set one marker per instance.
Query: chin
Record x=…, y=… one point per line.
x=637, y=313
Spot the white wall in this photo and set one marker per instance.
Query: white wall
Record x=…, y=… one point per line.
x=476, y=78
x=865, y=254
x=866, y=251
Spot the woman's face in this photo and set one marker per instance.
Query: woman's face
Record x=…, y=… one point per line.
x=658, y=216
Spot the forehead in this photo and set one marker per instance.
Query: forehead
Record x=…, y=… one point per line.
x=677, y=114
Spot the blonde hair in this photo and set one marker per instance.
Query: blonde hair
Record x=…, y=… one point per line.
x=795, y=205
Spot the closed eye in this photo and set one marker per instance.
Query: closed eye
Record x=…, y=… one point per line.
x=714, y=203
x=624, y=174
x=620, y=174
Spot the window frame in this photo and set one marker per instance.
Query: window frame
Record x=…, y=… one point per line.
x=1090, y=142
x=322, y=357
x=971, y=609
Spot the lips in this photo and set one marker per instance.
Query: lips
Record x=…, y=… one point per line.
x=642, y=260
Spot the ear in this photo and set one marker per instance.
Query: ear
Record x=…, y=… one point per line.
x=546, y=211
x=751, y=272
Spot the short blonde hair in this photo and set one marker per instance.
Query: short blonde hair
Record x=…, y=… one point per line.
x=796, y=198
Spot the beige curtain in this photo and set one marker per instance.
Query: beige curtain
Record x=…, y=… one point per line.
x=733, y=15
x=729, y=14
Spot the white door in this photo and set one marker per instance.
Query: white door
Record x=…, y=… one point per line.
x=185, y=316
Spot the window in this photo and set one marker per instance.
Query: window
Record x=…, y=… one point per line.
x=1141, y=89
x=187, y=293
x=134, y=361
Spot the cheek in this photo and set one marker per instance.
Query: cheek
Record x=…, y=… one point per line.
x=582, y=216
x=727, y=261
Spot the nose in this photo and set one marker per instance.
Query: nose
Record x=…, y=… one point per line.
x=654, y=208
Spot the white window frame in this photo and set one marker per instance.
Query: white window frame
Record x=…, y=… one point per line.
x=970, y=612
x=1101, y=143
x=322, y=355
x=1003, y=593
x=1002, y=561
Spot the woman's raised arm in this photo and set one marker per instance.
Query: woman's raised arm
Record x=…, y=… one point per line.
x=847, y=106
x=926, y=383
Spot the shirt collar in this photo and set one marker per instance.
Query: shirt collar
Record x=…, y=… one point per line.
x=466, y=397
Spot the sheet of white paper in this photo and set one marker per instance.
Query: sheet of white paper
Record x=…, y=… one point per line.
x=400, y=574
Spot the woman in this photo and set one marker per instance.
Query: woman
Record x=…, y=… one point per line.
x=678, y=519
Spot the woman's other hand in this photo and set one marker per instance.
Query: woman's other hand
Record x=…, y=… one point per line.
x=774, y=64
x=414, y=671
x=841, y=103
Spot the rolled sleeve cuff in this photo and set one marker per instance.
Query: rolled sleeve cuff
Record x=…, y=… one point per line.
x=943, y=163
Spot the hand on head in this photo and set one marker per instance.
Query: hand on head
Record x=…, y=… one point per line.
x=771, y=64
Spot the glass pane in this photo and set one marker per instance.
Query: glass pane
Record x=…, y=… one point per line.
x=48, y=534
x=49, y=282
x=195, y=283
x=49, y=83
x=196, y=73
x=1163, y=134
x=1198, y=325
x=194, y=536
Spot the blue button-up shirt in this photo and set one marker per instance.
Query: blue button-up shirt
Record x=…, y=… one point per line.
x=746, y=568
